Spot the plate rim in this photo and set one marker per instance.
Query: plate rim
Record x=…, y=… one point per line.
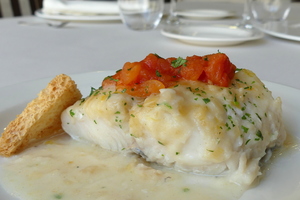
x=84, y=18
x=227, y=41
x=278, y=34
x=184, y=13
x=92, y=77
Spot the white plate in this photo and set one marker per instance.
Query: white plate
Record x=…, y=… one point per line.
x=285, y=29
x=205, y=14
x=216, y=35
x=281, y=182
x=77, y=18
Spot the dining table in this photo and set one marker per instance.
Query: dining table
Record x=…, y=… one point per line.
x=30, y=49
x=33, y=51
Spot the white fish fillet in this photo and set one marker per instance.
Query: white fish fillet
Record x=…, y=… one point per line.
x=193, y=127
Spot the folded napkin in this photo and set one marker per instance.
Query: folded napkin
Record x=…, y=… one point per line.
x=80, y=7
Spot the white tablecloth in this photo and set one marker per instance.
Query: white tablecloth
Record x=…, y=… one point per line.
x=37, y=51
x=29, y=52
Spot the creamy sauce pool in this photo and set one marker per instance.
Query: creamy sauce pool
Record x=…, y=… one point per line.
x=62, y=168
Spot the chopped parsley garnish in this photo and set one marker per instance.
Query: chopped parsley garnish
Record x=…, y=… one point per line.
x=186, y=189
x=258, y=116
x=159, y=142
x=166, y=104
x=82, y=101
x=157, y=55
x=224, y=106
x=247, y=141
x=235, y=101
x=72, y=113
x=178, y=62
x=157, y=73
x=246, y=115
x=109, y=94
x=231, y=121
x=189, y=88
x=92, y=91
x=227, y=125
x=206, y=100
x=248, y=87
x=58, y=196
x=245, y=129
x=259, y=135
x=111, y=78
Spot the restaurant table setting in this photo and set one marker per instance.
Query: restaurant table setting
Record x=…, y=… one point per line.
x=86, y=39
x=79, y=10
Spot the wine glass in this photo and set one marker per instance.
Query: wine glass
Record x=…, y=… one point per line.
x=173, y=18
x=246, y=17
x=141, y=15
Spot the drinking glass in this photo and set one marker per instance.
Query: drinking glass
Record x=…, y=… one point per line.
x=172, y=18
x=141, y=14
x=270, y=10
x=246, y=16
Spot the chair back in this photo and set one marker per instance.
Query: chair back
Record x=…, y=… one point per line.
x=15, y=8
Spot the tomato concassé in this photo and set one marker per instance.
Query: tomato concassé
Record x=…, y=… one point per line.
x=154, y=73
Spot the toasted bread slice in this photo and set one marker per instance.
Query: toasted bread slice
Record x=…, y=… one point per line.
x=41, y=117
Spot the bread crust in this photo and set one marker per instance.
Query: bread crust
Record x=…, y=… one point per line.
x=41, y=117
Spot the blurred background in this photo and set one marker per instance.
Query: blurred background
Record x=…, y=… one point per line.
x=12, y=8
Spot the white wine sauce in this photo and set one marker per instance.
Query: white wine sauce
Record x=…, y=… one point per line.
x=62, y=168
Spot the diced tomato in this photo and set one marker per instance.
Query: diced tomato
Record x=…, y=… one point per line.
x=130, y=72
x=151, y=61
x=154, y=73
x=219, y=69
x=193, y=68
x=111, y=80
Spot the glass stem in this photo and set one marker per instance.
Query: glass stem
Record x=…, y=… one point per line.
x=172, y=8
x=246, y=13
x=246, y=17
x=172, y=19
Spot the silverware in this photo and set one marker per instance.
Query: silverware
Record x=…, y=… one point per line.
x=53, y=24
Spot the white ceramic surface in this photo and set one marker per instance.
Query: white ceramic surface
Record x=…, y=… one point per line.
x=285, y=29
x=215, y=35
x=77, y=18
x=205, y=14
x=281, y=181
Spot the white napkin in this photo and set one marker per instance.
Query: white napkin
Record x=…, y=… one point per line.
x=80, y=7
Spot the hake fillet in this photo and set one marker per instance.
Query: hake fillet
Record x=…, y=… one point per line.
x=193, y=127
